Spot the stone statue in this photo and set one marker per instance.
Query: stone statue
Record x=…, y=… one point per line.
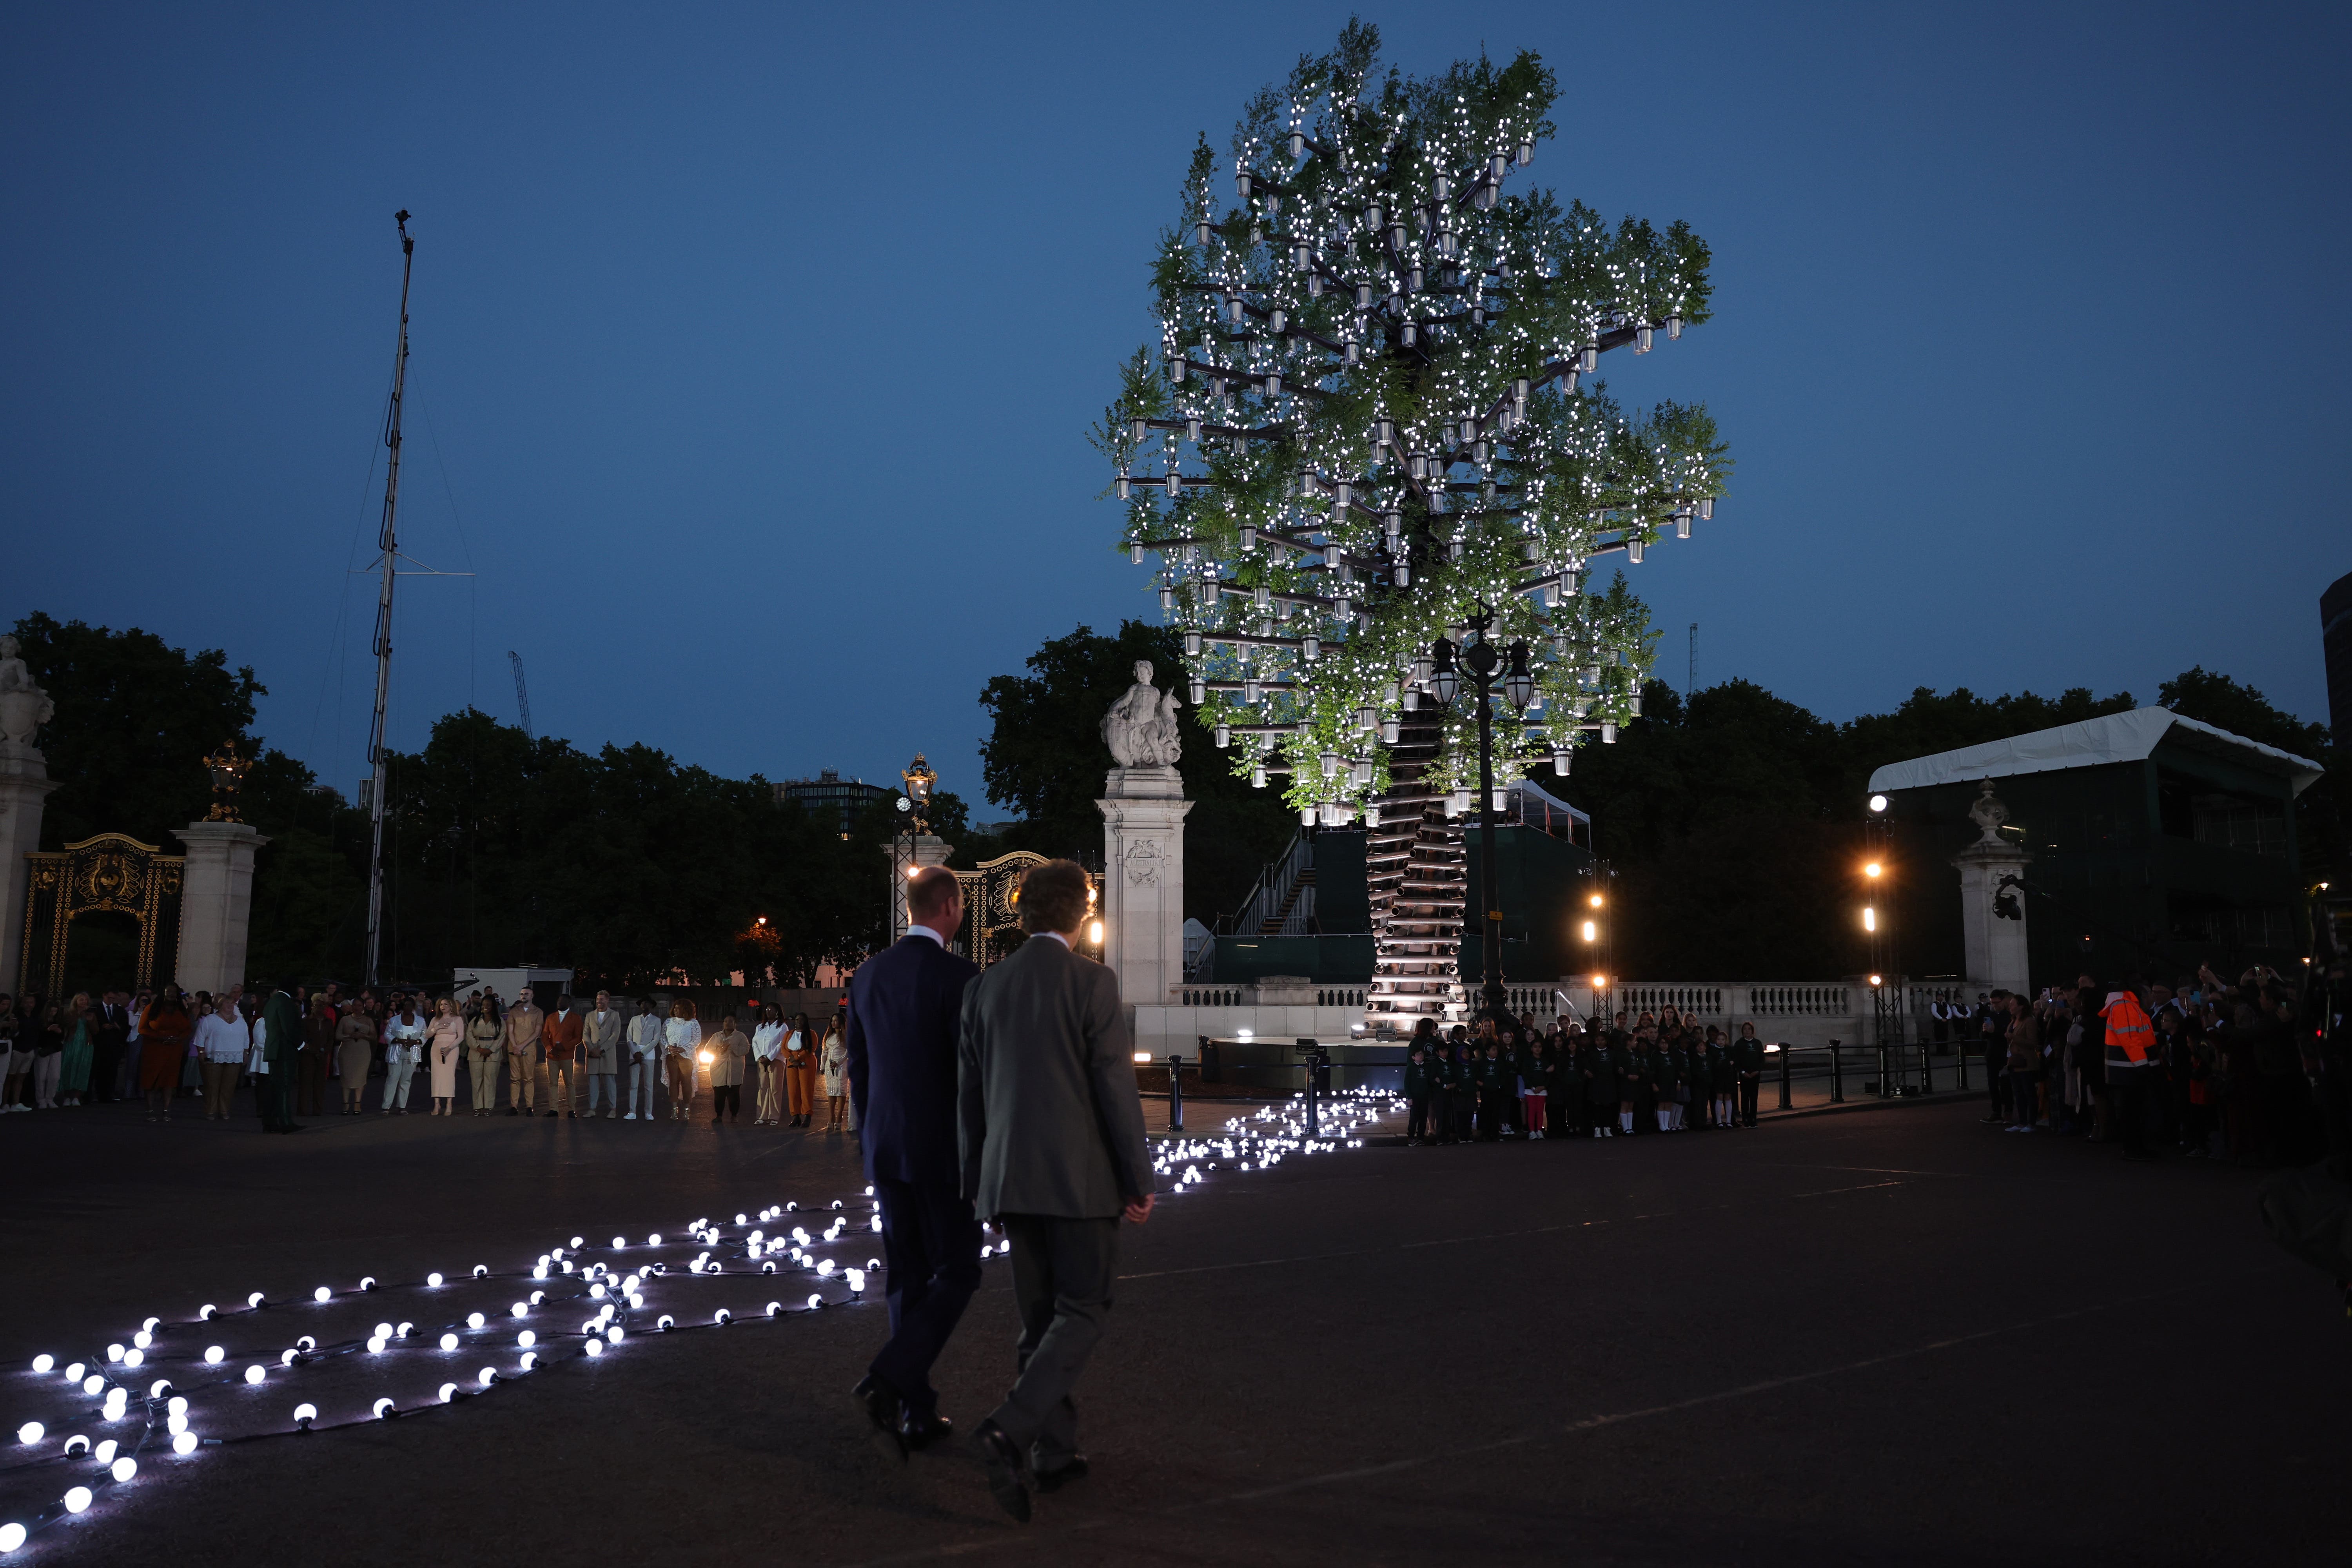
x=1141, y=728
x=24, y=707
x=1988, y=812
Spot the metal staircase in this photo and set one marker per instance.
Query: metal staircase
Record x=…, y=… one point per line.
x=1416, y=879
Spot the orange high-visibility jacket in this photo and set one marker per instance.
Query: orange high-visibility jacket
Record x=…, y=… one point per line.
x=2129, y=1031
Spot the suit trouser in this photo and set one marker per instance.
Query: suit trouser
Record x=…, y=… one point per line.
x=482, y=1077
x=643, y=1078
x=602, y=1085
x=395, y=1085
x=766, y=1110
x=930, y=1244
x=1749, y=1087
x=220, y=1087
x=681, y=1084
x=522, y=1076
x=1062, y=1271
x=1416, y=1117
x=310, y=1081
x=560, y=1073
x=800, y=1091
x=273, y=1095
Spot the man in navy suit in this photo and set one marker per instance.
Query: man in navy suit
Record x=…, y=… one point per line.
x=904, y=1005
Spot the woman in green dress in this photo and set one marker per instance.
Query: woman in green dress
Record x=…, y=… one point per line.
x=73, y=1068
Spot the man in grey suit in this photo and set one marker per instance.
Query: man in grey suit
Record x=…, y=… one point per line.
x=1051, y=1134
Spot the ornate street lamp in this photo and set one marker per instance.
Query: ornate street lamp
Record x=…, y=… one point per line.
x=1483, y=662
x=228, y=771
x=919, y=778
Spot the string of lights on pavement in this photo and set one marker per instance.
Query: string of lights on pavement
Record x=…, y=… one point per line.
x=174, y=1389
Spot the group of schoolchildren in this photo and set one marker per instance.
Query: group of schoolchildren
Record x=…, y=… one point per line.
x=1502, y=1079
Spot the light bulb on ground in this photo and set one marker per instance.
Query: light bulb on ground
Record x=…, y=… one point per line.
x=375, y=1344
x=619, y=1242
x=475, y=1320
x=77, y=1444
x=594, y=1347
x=403, y=1330
x=74, y=1371
x=321, y=1294
x=185, y=1443
x=92, y=1384
x=529, y=1360
x=12, y=1536
x=205, y=1314
x=134, y=1358
x=288, y=1358
x=114, y=1352
x=614, y=1334
x=519, y=1309
x=305, y=1413
x=104, y=1453
x=255, y=1300
x=29, y=1433
x=815, y=1302
x=255, y=1373
x=433, y=1279
x=526, y=1338
x=213, y=1354
x=76, y=1499
x=142, y=1339
x=383, y=1330
x=160, y=1388
x=448, y=1392
x=486, y=1376
x=178, y=1406
x=382, y=1407
x=481, y=1270
x=122, y=1469
x=448, y=1341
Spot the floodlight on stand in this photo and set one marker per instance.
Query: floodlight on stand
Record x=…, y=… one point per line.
x=1877, y=802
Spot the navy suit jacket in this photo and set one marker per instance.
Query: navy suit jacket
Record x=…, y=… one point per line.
x=904, y=1005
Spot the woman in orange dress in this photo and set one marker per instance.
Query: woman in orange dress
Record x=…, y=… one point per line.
x=164, y=1030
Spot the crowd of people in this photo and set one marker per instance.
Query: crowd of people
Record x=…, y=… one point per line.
x=383, y=1052
x=1659, y=1072
x=2207, y=1067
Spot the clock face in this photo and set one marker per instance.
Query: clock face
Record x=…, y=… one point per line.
x=905, y=805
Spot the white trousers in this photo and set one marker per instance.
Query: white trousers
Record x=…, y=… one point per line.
x=643, y=1077
x=395, y=1085
x=600, y=1085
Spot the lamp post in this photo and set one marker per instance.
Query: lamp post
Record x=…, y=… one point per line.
x=1483, y=662
x=914, y=817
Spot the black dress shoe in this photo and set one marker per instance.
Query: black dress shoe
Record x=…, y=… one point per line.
x=921, y=1431
x=1061, y=1476
x=882, y=1406
x=1002, y=1460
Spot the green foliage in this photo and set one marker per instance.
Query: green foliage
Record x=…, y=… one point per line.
x=1333, y=483
x=1044, y=758
x=622, y=863
x=134, y=720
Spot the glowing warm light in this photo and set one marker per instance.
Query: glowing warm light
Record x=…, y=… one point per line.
x=705, y=1059
x=1592, y=930
x=1600, y=981
x=1143, y=1056
x=1878, y=803
x=1873, y=980
x=1594, y=900
x=1872, y=869
x=1869, y=919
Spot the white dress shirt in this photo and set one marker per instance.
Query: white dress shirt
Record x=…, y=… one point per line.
x=767, y=1040
x=220, y=1039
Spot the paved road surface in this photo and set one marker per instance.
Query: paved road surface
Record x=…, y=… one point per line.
x=1887, y=1335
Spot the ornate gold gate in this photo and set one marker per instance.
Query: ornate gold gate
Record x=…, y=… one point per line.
x=992, y=911
x=112, y=873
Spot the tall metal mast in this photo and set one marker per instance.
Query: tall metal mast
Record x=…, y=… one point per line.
x=386, y=543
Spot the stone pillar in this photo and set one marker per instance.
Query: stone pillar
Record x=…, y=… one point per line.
x=907, y=858
x=24, y=785
x=215, y=904
x=1995, y=944
x=1143, y=881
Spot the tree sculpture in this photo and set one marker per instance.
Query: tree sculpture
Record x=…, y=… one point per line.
x=1371, y=422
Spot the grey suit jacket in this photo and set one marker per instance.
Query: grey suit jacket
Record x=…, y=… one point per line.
x=1047, y=1120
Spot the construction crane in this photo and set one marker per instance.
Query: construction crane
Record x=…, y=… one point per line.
x=523, y=694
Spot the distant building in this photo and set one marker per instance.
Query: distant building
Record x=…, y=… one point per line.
x=2335, y=645
x=2159, y=842
x=831, y=799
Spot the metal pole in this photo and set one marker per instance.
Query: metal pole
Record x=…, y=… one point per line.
x=1926, y=1070
x=1837, y=1076
x=1312, y=1125
x=1490, y=922
x=1886, y=1085
x=1784, y=1077
x=1175, y=1092
x=386, y=541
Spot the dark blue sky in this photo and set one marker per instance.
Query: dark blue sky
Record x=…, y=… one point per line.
x=754, y=348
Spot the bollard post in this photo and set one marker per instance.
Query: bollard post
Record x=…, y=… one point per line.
x=1926, y=1070
x=1837, y=1076
x=1784, y=1075
x=1175, y=1092
x=1961, y=1051
x=1312, y=1125
x=1886, y=1087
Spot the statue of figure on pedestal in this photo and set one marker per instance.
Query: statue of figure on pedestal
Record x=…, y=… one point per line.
x=24, y=707
x=1141, y=728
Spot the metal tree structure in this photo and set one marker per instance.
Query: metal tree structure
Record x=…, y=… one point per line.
x=1372, y=416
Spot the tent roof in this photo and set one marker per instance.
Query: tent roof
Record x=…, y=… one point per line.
x=2116, y=738
x=1545, y=798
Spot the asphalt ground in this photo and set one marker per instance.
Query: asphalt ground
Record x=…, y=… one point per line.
x=1890, y=1334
